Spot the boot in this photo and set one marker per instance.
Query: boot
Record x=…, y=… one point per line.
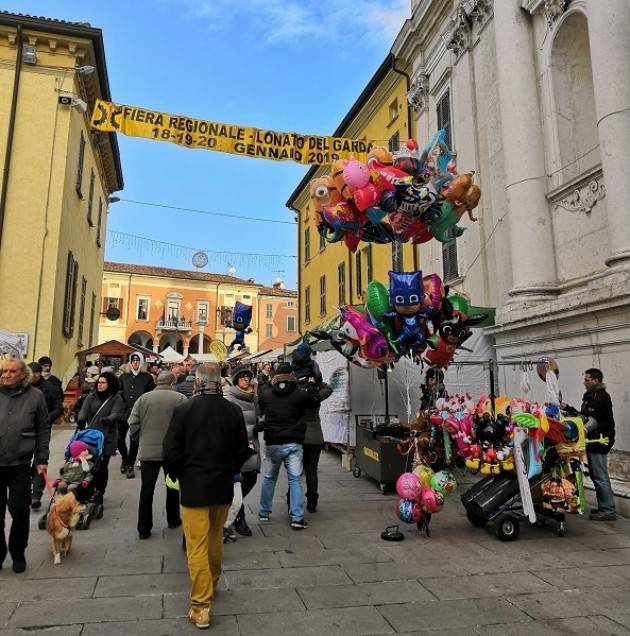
x=240, y=525
x=130, y=472
x=311, y=502
x=229, y=536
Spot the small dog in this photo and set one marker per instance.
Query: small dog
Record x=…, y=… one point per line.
x=62, y=518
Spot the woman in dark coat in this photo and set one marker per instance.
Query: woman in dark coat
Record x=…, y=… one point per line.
x=101, y=410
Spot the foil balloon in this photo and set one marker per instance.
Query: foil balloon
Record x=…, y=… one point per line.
x=443, y=482
x=356, y=328
x=377, y=305
x=436, y=160
x=408, y=486
x=431, y=501
x=424, y=474
x=241, y=317
x=409, y=511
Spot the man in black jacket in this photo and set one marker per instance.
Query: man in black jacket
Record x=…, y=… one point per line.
x=204, y=447
x=54, y=405
x=600, y=425
x=24, y=439
x=283, y=406
x=132, y=386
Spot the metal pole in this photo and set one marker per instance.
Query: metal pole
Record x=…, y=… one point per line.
x=386, y=396
x=397, y=261
x=492, y=395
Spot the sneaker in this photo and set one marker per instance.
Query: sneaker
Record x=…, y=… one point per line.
x=201, y=618
x=229, y=536
x=262, y=517
x=299, y=524
x=240, y=525
x=603, y=516
x=130, y=473
x=36, y=504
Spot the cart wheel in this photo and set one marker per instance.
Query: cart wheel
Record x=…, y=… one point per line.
x=356, y=472
x=86, y=522
x=477, y=521
x=507, y=528
x=98, y=511
x=562, y=529
x=384, y=489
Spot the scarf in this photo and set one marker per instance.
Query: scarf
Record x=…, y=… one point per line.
x=247, y=396
x=208, y=388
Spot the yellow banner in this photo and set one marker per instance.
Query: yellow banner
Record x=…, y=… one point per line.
x=237, y=140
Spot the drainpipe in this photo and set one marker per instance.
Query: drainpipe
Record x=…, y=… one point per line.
x=11, y=129
x=409, y=136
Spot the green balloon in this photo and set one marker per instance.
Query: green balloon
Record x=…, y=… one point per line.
x=377, y=305
x=459, y=303
x=445, y=229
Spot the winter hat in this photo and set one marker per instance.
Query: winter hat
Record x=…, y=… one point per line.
x=77, y=447
x=107, y=370
x=241, y=369
x=93, y=370
x=304, y=347
x=35, y=367
x=45, y=360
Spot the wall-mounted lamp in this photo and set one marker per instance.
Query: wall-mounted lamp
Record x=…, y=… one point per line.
x=113, y=199
x=84, y=70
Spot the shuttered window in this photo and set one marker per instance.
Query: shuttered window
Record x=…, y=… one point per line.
x=99, y=223
x=322, y=295
x=444, y=116
x=358, y=262
x=92, y=318
x=449, y=260
x=79, y=182
x=307, y=304
x=91, y=199
x=341, y=281
x=72, y=273
x=82, y=310
x=307, y=245
x=394, y=142
x=368, y=264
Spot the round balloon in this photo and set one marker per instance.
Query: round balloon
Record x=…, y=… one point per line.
x=431, y=501
x=409, y=511
x=408, y=486
x=424, y=474
x=443, y=482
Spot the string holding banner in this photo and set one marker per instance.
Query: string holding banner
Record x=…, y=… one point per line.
x=246, y=141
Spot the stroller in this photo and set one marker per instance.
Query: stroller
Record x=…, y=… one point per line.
x=89, y=495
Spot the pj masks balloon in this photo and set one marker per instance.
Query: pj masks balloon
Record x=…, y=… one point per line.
x=406, y=297
x=241, y=317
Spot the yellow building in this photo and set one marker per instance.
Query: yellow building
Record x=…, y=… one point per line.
x=56, y=181
x=328, y=274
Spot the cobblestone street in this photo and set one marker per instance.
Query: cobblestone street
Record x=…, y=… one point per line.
x=337, y=577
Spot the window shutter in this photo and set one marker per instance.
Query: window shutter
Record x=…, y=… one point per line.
x=449, y=260
x=91, y=199
x=444, y=116
x=72, y=271
x=358, y=266
x=99, y=226
x=79, y=183
x=92, y=317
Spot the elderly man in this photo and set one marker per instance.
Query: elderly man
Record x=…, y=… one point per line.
x=24, y=438
x=132, y=386
x=148, y=423
x=46, y=364
x=54, y=405
x=205, y=446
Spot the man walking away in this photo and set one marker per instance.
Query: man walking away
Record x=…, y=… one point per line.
x=283, y=406
x=132, y=385
x=600, y=425
x=24, y=439
x=54, y=405
x=46, y=364
x=205, y=446
x=148, y=423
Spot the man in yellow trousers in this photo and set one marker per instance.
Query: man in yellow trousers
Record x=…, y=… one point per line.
x=204, y=447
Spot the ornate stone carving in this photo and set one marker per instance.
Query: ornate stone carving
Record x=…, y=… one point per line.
x=584, y=198
x=419, y=92
x=458, y=33
x=554, y=9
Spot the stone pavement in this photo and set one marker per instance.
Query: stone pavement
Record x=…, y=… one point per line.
x=336, y=577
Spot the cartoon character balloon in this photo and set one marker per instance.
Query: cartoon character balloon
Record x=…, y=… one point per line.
x=241, y=317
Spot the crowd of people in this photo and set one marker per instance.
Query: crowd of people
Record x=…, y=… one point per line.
x=198, y=424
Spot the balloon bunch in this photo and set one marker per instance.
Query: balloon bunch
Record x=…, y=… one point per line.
x=422, y=493
x=407, y=195
x=241, y=318
x=414, y=317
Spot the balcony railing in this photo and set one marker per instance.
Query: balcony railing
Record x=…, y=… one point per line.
x=174, y=325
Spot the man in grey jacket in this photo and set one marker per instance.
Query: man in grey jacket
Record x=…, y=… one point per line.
x=148, y=422
x=24, y=439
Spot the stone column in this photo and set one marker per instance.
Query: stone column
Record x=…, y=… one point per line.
x=609, y=35
x=531, y=239
x=200, y=346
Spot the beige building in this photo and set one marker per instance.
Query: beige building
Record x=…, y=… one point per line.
x=186, y=310
x=56, y=181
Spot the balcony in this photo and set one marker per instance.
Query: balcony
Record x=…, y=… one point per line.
x=174, y=325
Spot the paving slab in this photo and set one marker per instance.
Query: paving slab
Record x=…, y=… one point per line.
x=363, y=594
x=222, y=625
x=6, y=609
x=582, y=626
x=372, y=572
x=18, y=589
x=286, y=577
x=141, y=585
x=262, y=601
x=586, y=578
x=333, y=622
x=65, y=630
x=438, y=615
x=339, y=556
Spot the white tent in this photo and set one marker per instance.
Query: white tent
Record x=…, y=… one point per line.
x=170, y=355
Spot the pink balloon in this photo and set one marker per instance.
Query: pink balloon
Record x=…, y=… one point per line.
x=430, y=500
x=408, y=486
x=356, y=174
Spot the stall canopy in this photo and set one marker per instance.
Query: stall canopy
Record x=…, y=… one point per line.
x=170, y=355
x=114, y=349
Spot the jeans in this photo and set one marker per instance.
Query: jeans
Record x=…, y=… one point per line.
x=149, y=472
x=598, y=465
x=17, y=481
x=291, y=456
x=311, y=461
x=203, y=530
